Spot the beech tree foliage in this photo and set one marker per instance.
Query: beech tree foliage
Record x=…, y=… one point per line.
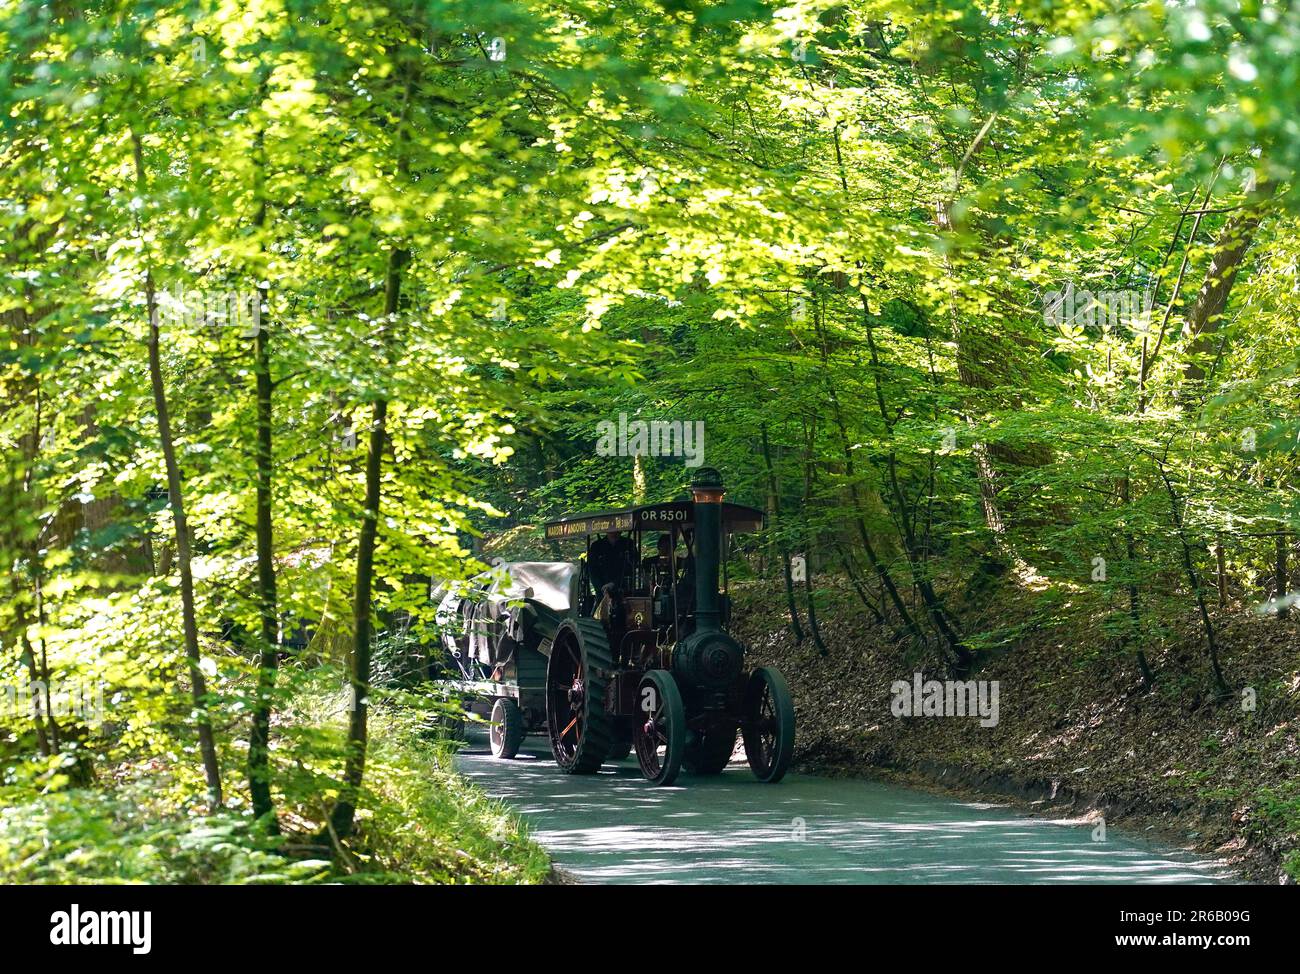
x=302, y=301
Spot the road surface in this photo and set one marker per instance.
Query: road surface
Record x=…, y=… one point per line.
x=615, y=828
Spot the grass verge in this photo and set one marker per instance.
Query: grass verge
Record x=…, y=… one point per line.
x=418, y=820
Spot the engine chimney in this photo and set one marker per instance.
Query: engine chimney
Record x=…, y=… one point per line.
x=708, y=659
x=707, y=491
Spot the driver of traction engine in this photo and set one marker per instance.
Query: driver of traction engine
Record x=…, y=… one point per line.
x=657, y=569
x=610, y=561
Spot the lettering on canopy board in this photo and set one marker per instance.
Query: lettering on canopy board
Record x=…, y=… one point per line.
x=664, y=516
x=589, y=525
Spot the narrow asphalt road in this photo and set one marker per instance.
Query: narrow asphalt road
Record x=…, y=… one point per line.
x=613, y=827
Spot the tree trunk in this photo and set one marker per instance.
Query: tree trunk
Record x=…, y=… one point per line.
x=259, y=773
x=638, y=479
x=852, y=576
x=21, y=504
x=1230, y=248
x=1134, y=604
x=882, y=572
x=812, y=610
x=259, y=739
x=345, y=811
x=1221, y=571
x=1280, y=575
x=1193, y=579
x=961, y=656
x=809, y=543
x=39, y=700
x=189, y=622
x=773, y=510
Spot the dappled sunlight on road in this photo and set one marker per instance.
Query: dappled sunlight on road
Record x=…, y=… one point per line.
x=615, y=828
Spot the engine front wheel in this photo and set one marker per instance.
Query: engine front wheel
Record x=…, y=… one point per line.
x=768, y=724
x=659, y=736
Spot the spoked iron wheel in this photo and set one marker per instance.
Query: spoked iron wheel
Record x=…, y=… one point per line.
x=659, y=736
x=576, y=676
x=768, y=724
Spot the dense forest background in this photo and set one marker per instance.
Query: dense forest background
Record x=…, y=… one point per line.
x=308, y=304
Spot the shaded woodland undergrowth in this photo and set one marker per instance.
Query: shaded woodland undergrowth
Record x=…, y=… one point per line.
x=417, y=820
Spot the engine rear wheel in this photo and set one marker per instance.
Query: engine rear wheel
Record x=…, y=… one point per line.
x=659, y=736
x=768, y=724
x=506, y=732
x=711, y=752
x=576, y=677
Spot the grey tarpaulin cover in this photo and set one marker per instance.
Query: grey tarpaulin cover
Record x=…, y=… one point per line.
x=491, y=625
x=554, y=583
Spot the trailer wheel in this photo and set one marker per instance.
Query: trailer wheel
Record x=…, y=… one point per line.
x=576, y=677
x=711, y=752
x=659, y=734
x=768, y=724
x=506, y=731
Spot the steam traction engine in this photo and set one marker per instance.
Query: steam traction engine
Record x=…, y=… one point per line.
x=642, y=662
